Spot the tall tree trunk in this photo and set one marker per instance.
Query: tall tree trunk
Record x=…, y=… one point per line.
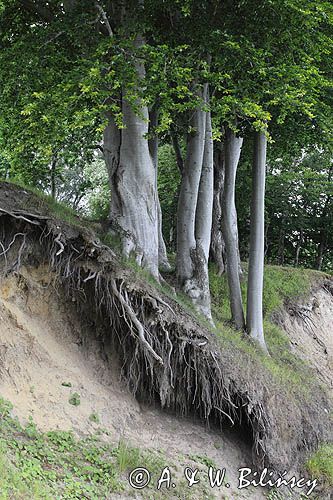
x=298, y=248
x=163, y=262
x=132, y=177
x=321, y=250
x=188, y=196
x=204, y=210
x=217, y=246
x=256, y=258
x=232, y=150
x=53, y=177
x=203, y=223
x=192, y=263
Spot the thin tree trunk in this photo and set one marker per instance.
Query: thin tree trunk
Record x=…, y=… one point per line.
x=203, y=223
x=232, y=149
x=192, y=263
x=217, y=246
x=282, y=236
x=188, y=197
x=320, y=251
x=53, y=177
x=163, y=262
x=298, y=248
x=256, y=258
x=204, y=210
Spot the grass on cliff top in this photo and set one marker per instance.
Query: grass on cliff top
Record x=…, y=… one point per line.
x=47, y=205
x=281, y=284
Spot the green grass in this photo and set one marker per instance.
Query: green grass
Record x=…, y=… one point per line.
x=13, y=482
x=320, y=464
x=45, y=203
x=280, y=285
x=57, y=465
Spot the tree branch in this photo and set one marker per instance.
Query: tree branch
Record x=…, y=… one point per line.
x=105, y=19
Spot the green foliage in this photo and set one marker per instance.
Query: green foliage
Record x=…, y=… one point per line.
x=74, y=399
x=94, y=417
x=203, y=459
x=320, y=464
x=298, y=200
x=299, y=205
x=56, y=464
x=13, y=482
x=168, y=186
x=66, y=384
x=97, y=198
x=280, y=285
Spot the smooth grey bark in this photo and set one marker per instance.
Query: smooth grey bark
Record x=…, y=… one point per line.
x=188, y=196
x=217, y=245
x=232, y=150
x=204, y=210
x=203, y=222
x=192, y=263
x=163, y=261
x=254, y=316
x=132, y=176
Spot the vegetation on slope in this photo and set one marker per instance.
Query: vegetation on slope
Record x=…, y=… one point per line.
x=56, y=464
x=228, y=354
x=320, y=465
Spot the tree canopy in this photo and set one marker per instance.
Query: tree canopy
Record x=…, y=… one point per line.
x=132, y=80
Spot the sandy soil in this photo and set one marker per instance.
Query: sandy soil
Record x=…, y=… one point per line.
x=311, y=333
x=43, y=345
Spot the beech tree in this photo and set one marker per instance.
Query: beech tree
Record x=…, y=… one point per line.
x=217, y=245
x=116, y=77
x=232, y=149
x=104, y=85
x=254, y=316
x=194, y=216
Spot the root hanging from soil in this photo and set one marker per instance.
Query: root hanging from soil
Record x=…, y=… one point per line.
x=165, y=353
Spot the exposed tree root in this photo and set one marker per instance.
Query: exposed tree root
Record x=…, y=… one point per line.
x=164, y=352
x=131, y=319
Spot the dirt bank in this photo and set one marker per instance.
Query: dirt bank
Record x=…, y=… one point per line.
x=132, y=329
x=308, y=324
